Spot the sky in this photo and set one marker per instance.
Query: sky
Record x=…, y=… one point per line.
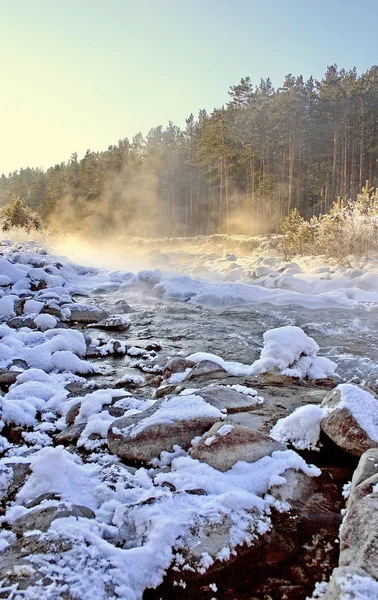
x=82, y=74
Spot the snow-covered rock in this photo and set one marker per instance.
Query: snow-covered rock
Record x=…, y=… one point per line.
x=206, y=370
x=291, y=352
x=170, y=422
x=226, y=444
x=83, y=313
x=351, y=420
x=231, y=399
x=357, y=574
x=113, y=323
x=41, y=518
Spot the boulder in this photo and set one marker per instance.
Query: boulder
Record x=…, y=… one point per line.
x=351, y=583
x=341, y=424
x=165, y=390
x=70, y=435
x=176, y=365
x=112, y=324
x=72, y=413
x=359, y=531
x=83, y=313
x=18, y=322
x=175, y=421
x=226, y=444
x=226, y=398
x=19, y=572
x=7, y=378
x=206, y=370
x=42, y=518
x=123, y=307
x=15, y=475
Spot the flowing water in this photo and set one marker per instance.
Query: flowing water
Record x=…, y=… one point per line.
x=347, y=336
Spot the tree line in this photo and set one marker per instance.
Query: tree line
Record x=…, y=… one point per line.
x=241, y=168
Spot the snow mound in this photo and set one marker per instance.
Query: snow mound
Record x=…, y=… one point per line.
x=287, y=350
x=301, y=428
x=291, y=352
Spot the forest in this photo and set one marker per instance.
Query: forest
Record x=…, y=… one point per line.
x=239, y=169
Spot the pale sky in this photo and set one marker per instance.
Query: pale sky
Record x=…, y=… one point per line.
x=80, y=74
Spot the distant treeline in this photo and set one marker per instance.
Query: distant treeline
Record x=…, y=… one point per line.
x=239, y=169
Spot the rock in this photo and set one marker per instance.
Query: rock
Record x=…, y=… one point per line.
x=346, y=578
x=142, y=437
x=20, y=472
x=13, y=433
x=366, y=469
x=70, y=435
x=123, y=307
x=359, y=531
x=176, y=365
x=42, y=518
x=72, y=413
x=153, y=347
x=18, y=322
x=207, y=370
x=225, y=444
x=83, y=313
x=112, y=324
x=225, y=398
x=165, y=390
x=92, y=352
x=41, y=498
x=342, y=427
x=372, y=382
x=283, y=541
x=7, y=378
x=17, y=572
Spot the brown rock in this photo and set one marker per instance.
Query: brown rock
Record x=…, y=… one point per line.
x=152, y=439
x=207, y=370
x=225, y=444
x=176, y=365
x=42, y=518
x=70, y=435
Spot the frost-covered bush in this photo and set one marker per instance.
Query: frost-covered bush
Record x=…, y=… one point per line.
x=347, y=233
x=299, y=235
x=18, y=214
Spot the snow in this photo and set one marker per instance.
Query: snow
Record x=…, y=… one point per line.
x=173, y=410
x=287, y=350
x=356, y=587
x=13, y=273
x=7, y=306
x=141, y=526
x=301, y=428
x=55, y=470
x=291, y=352
x=362, y=405
x=45, y=322
x=33, y=307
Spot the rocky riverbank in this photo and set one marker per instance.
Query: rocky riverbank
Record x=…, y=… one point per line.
x=173, y=475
